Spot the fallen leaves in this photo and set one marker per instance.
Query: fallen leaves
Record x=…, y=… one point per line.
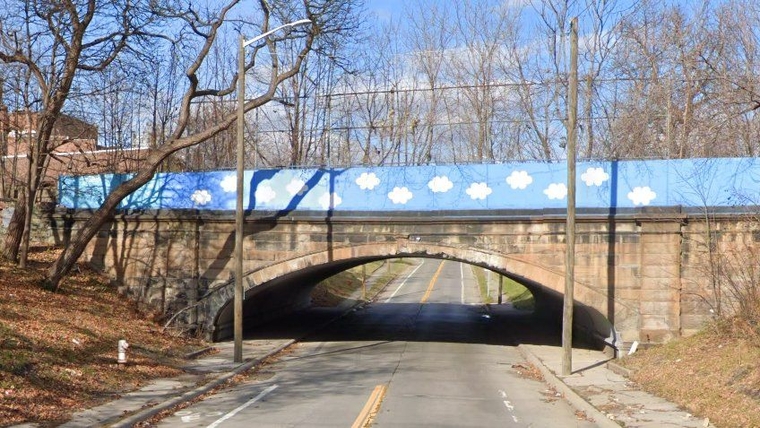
x=528, y=371
x=710, y=374
x=58, y=350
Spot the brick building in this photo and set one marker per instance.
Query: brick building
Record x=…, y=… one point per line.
x=74, y=150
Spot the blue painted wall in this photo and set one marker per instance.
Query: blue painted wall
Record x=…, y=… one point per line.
x=524, y=185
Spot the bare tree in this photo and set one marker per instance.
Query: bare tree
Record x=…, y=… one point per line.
x=54, y=42
x=430, y=36
x=327, y=17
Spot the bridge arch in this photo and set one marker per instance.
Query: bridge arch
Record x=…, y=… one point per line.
x=283, y=286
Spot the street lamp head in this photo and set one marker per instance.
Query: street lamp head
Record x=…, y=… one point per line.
x=289, y=24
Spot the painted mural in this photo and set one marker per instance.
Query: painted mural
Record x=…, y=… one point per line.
x=726, y=182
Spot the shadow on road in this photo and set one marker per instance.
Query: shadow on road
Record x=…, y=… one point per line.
x=414, y=322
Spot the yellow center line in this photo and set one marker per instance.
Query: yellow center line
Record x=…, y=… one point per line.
x=370, y=408
x=432, y=284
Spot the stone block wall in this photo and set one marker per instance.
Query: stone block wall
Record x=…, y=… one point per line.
x=644, y=274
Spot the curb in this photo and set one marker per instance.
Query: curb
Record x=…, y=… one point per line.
x=618, y=369
x=570, y=395
x=195, y=354
x=143, y=415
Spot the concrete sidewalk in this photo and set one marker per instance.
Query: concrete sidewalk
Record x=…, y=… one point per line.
x=596, y=388
x=204, y=374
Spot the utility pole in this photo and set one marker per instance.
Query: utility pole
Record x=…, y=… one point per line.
x=240, y=158
x=572, y=118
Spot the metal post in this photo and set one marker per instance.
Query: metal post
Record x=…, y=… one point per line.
x=238, y=299
x=501, y=288
x=364, y=282
x=572, y=114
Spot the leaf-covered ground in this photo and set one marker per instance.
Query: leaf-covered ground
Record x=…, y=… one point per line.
x=58, y=350
x=714, y=375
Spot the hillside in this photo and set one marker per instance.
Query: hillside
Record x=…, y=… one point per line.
x=715, y=375
x=58, y=350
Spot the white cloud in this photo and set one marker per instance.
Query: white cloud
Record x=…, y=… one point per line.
x=229, y=183
x=556, y=191
x=594, y=177
x=440, y=184
x=201, y=197
x=400, y=195
x=264, y=194
x=367, y=181
x=478, y=190
x=519, y=179
x=297, y=187
x=641, y=195
x=330, y=201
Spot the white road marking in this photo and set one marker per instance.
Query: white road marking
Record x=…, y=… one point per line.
x=191, y=417
x=509, y=406
x=404, y=282
x=243, y=406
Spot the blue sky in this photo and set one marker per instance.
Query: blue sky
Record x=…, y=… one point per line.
x=384, y=9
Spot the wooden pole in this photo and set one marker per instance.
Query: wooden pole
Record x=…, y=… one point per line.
x=572, y=117
x=238, y=297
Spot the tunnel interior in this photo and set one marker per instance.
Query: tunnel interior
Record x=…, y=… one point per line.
x=275, y=301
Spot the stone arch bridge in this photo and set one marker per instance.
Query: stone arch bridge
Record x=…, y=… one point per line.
x=639, y=276
x=647, y=236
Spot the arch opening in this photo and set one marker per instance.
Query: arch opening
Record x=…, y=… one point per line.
x=285, y=290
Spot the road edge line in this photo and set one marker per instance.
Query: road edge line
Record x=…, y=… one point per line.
x=148, y=413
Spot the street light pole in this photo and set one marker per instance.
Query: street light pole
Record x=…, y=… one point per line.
x=572, y=136
x=238, y=297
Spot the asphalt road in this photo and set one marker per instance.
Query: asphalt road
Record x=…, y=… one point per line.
x=426, y=353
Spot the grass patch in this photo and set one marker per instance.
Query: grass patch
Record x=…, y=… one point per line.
x=512, y=291
x=344, y=285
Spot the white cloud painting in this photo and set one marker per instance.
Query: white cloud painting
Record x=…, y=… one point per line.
x=440, y=184
x=229, y=183
x=201, y=197
x=265, y=194
x=519, y=180
x=297, y=187
x=400, y=195
x=641, y=195
x=479, y=190
x=594, y=177
x=556, y=191
x=329, y=201
x=367, y=181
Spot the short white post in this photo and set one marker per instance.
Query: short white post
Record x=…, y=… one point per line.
x=122, y=351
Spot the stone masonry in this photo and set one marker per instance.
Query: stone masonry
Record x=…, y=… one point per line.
x=640, y=276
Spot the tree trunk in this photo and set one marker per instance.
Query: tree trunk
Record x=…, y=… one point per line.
x=15, y=230
x=78, y=243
